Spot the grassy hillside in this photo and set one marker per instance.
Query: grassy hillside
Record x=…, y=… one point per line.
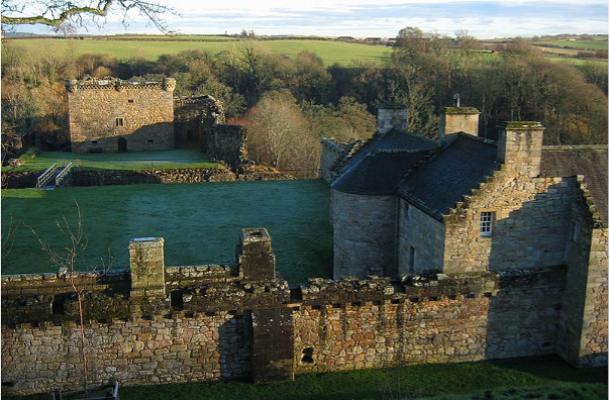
x=151, y=48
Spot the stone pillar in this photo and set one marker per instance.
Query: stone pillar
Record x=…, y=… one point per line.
x=272, y=345
x=254, y=254
x=459, y=119
x=520, y=147
x=391, y=117
x=147, y=266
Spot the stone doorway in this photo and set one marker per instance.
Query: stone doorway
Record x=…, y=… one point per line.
x=122, y=145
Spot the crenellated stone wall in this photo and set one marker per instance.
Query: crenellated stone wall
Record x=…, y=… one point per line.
x=210, y=322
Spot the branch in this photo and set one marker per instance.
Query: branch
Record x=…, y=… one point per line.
x=101, y=11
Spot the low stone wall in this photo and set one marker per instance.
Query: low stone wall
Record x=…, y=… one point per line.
x=100, y=177
x=206, y=332
x=90, y=177
x=18, y=180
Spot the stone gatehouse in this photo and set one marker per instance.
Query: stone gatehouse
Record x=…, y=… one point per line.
x=112, y=115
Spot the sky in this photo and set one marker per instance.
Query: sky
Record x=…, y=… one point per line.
x=484, y=19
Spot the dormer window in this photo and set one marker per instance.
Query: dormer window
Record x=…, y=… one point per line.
x=486, y=223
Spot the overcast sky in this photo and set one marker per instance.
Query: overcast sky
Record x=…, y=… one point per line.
x=361, y=18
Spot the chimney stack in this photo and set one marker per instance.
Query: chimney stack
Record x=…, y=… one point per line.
x=391, y=117
x=520, y=147
x=458, y=119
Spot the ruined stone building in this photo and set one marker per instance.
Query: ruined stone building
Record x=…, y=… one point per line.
x=111, y=115
x=403, y=204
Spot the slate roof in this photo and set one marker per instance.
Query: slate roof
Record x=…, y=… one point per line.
x=377, y=168
x=453, y=172
x=589, y=161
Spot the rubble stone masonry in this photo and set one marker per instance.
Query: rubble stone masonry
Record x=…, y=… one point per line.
x=113, y=115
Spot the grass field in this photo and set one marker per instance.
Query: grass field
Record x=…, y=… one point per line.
x=330, y=51
x=578, y=44
x=167, y=159
x=527, y=378
x=200, y=223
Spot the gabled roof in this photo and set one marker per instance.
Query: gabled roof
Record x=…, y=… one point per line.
x=464, y=163
x=376, y=169
x=589, y=161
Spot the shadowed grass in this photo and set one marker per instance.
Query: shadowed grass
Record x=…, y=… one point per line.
x=541, y=378
x=200, y=223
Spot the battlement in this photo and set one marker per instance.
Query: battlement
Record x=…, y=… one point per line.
x=111, y=83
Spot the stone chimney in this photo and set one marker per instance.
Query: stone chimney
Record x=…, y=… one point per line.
x=520, y=147
x=254, y=255
x=391, y=117
x=458, y=119
x=147, y=265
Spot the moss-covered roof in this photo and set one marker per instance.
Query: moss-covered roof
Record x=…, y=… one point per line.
x=461, y=110
x=522, y=125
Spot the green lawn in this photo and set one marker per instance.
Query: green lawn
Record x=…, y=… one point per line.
x=527, y=378
x=166, y=159
x=329, y=50
x=200, y=223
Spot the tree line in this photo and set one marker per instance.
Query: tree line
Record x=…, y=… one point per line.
x=289, y=104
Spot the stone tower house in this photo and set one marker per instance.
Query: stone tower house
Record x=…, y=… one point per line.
x=111, y=115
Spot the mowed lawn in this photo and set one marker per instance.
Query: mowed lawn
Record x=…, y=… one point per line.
x=331, y=51
x=165, y=159
x=200, y=223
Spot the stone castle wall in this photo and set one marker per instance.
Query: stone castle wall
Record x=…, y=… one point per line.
x=111, y=115
x=227, y=143
x=329, y=326
x=529, y=214
x=156, y=324
x=364, y=234
x=330, y=153
x=425, y=235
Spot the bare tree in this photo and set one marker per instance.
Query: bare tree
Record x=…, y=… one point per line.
x=55, y=13
x=66, y=259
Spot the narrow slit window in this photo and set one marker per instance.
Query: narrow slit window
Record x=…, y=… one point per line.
x=486, y=224
x=411, y=259
x=130, y=101
x=406, y=211
x=119, y=122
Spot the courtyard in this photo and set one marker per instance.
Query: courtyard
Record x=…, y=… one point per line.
x=200, y=224
x=142, y=160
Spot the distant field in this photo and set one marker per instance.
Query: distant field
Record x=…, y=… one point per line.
x=329, y=50
x=200, y=223
x=167, y=159
x=578, y=44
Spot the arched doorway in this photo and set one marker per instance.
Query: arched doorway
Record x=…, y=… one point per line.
x=122, y=145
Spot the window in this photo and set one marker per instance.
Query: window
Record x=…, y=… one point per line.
x=94, y=142
x=575, y=231
x=411, y=259
x=130, y=101
x=150, y=141
x=487, y=221
x=307, y=357
x=406, y=211
x=118, y=122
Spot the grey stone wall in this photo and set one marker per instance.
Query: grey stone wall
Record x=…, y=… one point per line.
x=364, y=235
x=425, y=235
x=330, y=153
x=146, y=112
x=529, y=230
x=227, y=143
